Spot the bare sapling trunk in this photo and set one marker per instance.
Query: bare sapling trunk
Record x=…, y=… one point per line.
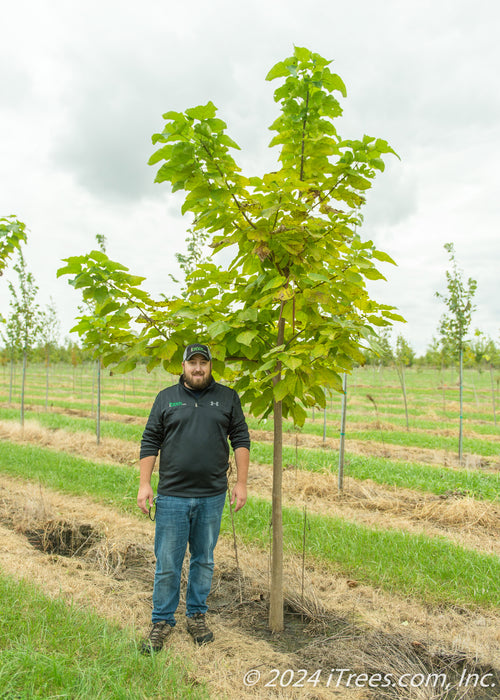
x=493, y=394
x=47, y=365
x=276, y=620
x=342, y=432
x=461, y=428
x=324, y=422
x=11, y=382
x=276, y=617
x=98, y=412
x=23, y=383
x=401, y=374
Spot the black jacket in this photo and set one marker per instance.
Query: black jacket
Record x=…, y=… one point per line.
x=190, y=429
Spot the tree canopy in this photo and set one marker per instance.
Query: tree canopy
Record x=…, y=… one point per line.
x=290, y=312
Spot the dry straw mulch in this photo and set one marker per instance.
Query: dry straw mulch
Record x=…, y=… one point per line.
x=331, y=622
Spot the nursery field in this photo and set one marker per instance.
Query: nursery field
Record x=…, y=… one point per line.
x=392, y=583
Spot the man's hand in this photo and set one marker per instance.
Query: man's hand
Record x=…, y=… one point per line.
x=145, y=497
x=239, y=495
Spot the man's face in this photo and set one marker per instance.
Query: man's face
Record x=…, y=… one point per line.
x=197, y=372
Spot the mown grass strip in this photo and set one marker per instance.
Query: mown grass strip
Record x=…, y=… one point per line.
x=51, y=650
x=403, y=563
x=81, y=405
x=113, y=484
x=413, y=438
x=428, y=441
x=430, y=568
x=412, y=475
x=62, y=421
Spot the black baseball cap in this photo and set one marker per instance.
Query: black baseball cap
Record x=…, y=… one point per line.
x=197, y=349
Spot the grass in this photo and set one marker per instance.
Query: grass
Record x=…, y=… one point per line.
x=416, y=565
x=114, y=485
x=428, y=441
x=61, y=421
x=412, y=475
x=127, y=431
x=51, y=650
x=421, y=435
x=430, y=568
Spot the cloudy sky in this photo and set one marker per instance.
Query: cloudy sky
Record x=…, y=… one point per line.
x=84, y=86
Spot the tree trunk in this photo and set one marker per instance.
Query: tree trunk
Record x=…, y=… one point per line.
x=11, y=382
x=276, y=618
x=23, y=384
x=98, y=413
x=401, y=375
x=276, y=621
x=324, y=422
x=461, y=383
x=47, y=364
x=342, y=433
x=493, y=394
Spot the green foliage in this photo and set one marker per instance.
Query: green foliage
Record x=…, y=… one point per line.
x=49, y=327
x=23, y=325
x=299, y=264
x=455, y=324
x=404, y=355
x=110, y=292
x=188, y=261
x=12, y=234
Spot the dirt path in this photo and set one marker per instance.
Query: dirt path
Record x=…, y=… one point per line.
x=466, y=521
x=360, y=628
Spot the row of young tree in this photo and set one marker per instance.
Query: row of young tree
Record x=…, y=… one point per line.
x=479, y=352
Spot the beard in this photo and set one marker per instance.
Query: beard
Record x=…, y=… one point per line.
x=197, y=382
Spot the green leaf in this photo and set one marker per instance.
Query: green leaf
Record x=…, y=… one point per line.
x=373, y=274
x=279, y=70
x=302, y=54
x=280, y=390
x=218, y=328
x=291, y=362
x=274, y=282
x=247, y=337
x=383, y=257
x=202, y=111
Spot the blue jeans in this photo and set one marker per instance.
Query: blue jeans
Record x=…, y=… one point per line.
x=180, y=521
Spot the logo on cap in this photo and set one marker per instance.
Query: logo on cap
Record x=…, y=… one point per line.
x=196, y=349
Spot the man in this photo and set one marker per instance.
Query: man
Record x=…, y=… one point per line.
x=189, y=424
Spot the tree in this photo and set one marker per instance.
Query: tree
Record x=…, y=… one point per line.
x=49, y=336
x=455, y=324
x=194, y=255
x=12, y=234
x=403, y=357
x=24, y=322
x=291, y=312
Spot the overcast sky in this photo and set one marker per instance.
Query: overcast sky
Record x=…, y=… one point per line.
x=84, y=86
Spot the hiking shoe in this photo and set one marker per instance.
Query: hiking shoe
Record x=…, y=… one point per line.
x=156, y=637
x=197, y=628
